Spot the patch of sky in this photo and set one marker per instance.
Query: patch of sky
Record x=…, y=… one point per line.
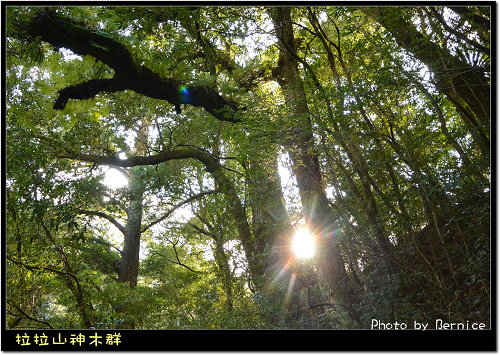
x=238, y=258
x=69, y=55
x=258, y=38
x=114, y=178
x=288, y=183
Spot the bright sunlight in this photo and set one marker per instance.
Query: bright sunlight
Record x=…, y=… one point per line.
x=303, y=243
x=115, y=179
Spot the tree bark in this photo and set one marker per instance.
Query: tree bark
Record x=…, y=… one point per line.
x=300, y=145
x=222, y=261
x=129, y=265
x=270, y=221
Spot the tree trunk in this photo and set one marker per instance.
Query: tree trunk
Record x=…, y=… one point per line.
x=221, y=259
x=270, y=221
x=129, y=265
x=300, y=145
x=367, y=200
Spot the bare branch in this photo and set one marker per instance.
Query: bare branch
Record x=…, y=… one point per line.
x=178, y=262
x=25, y=315
x=117, y=224
x=173, y=209
x=201, y=230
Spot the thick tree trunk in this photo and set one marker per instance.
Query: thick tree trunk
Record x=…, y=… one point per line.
x=300, y=145
x=129, y=265
x=270, y=221
x=222, y=261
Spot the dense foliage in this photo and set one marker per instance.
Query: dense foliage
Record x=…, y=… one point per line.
x=160, y=159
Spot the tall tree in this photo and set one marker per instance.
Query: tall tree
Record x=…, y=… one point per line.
x=299, y=142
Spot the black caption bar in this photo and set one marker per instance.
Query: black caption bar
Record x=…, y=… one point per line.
x=246, y=340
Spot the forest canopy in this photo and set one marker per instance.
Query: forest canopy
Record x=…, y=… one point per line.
x=247, y=166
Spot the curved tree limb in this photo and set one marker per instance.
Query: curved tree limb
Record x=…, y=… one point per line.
x=174, y=262
x=87, y=90
x=27, y=316
x=117, y=224
x=63, y=32
x=206, y=158
x=174, y=208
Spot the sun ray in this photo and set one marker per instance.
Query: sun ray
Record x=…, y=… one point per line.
x=280, y=273
x=288, y=295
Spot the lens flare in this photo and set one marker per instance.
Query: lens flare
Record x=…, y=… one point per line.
x=303, y=244
x=184, y=95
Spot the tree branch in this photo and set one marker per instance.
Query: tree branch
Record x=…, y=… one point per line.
x=210, y=162
x=480, y=20
x=178, y=262
x=87, y=90
x=63, y=32
x=173, y=209
x=200, y=230
x=31, y=267
x=25, y=315
x=103, y=242
x=459, y=35
x=117, y=224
